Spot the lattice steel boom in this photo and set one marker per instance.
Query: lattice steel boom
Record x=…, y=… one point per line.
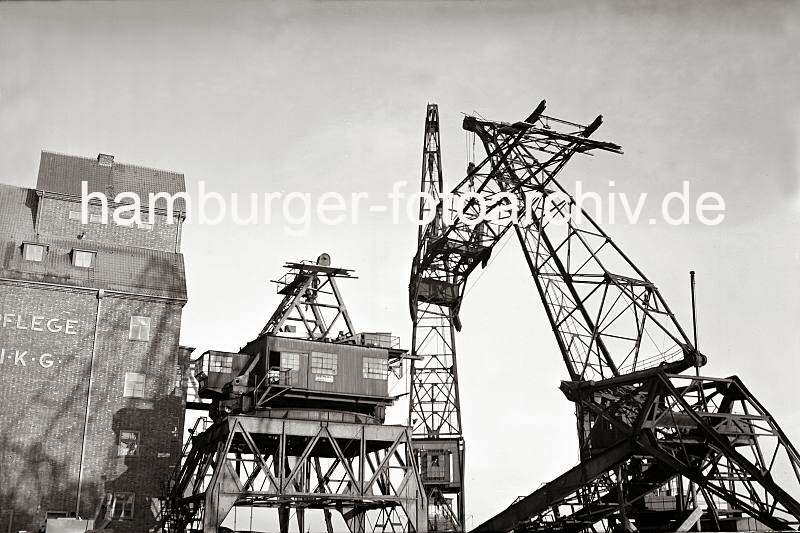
x=647, y=433
x=434, y=410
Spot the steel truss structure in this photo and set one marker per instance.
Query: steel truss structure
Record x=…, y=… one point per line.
x=365, y=472
x=653, y=435
x=434, y=409
x=645, y=430
x=311, y=297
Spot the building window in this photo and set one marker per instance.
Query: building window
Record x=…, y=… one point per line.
x=74, y=215
x=95, y=218
x=83, y=258
x=128, y=444
x=33, y=252
x=290, y=361
x=134, y=385
x=324, y=363
x=375, y=368
x=145, y=226
x=140, y=328
x=220, y=363
x=122, y=505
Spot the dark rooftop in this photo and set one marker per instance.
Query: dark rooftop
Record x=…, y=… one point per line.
x=63, y=174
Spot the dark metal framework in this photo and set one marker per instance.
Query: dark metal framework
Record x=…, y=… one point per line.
x=656, y=434
x=365, y=472
x=645, y=430
x=311, y=297
x=434, y=408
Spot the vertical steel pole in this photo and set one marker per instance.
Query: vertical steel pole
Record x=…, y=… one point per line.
x=694, y=313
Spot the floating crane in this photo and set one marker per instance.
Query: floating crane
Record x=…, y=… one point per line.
x=661, y=448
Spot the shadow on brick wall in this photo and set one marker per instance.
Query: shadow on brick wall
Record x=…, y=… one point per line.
x=42, y=476
x=147, y=472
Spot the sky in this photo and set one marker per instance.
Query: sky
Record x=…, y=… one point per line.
x=330, y=96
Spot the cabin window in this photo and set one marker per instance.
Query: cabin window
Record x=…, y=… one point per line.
x=375, y=368
x=83, y=258
x=290, y=361
x=140, y=328
x=33, y=252
x=134, y=385
x=435, y=466
x=128, y=444
x=122, y=505
x=220, y=363
x=324, y=363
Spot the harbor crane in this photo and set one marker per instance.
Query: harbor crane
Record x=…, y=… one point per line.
x=662, y=447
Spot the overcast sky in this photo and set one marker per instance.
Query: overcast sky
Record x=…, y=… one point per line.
x=331, y=97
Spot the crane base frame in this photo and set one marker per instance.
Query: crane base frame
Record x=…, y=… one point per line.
x=364, y=471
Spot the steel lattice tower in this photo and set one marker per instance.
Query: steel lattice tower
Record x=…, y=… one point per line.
x=434, y=410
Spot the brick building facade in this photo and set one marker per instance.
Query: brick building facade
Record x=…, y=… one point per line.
x=91, y=374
